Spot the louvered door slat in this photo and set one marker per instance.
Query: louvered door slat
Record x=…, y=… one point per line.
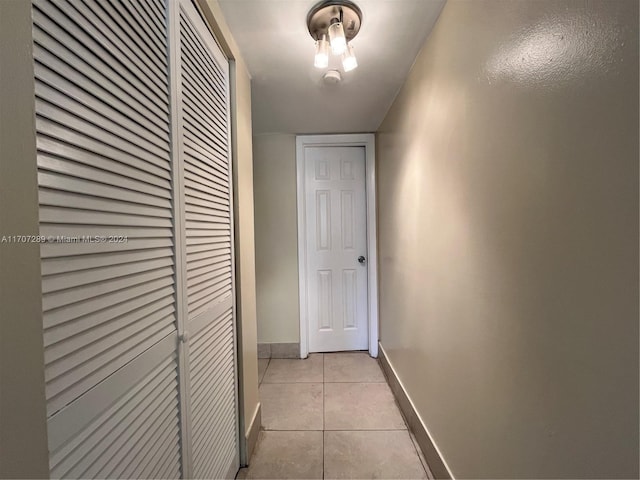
x=193, y=171
x=155, y=40
x=110, y=37
x=54, y=198
x=71, y=264
x=195, y=141
x=200, y=357
x=90, y=344
x=94, y=54
x=213, y=208
x=195, y=132
x=152, y=56
x=202, y=122
x=145, y=131
x=76, y=76
x=97, y=324
x=150, y=455
x=75, y=279
x=195, y=97
x=78, y=142
x=79, y=185
x=145, y=18
x=199, y=157
x=49, y=51
x=109, y=166
x=198, y=248
x=216, y=71
x=212, y=255
x=200, y=274
x=194, y=216
x=53, y=163
x=89, y=110
x=77, y=438
x=89, y=124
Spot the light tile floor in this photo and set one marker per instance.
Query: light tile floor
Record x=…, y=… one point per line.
x=330, y=416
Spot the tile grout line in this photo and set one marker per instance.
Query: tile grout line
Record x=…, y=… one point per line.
x=338, y=430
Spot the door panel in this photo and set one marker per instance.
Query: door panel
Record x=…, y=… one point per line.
x=134, y=176
x=208, y=257
x=336, y=236
x=105, y=194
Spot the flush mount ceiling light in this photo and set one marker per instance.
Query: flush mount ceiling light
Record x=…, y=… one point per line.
x=333, y=24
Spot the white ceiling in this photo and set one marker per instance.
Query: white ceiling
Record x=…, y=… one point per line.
x=288, y=93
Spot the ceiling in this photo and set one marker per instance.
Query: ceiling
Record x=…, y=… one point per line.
x=288, y=93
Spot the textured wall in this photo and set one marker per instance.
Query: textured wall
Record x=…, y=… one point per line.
x=23, y=428
x=274, y=170
x=508, y=234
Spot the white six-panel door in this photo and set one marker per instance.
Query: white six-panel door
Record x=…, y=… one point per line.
x=336, y=241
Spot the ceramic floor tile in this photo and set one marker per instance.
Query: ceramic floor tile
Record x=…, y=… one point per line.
x=360, y=406
x=262, y=367
x=295, y=371
x=352, y=367
x=285, y=455
x=387, y=454
x=291, y=406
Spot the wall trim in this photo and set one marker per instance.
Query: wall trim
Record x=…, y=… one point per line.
x=251, y=437
x=366, y=140
x=432, y=455
x=279, y=350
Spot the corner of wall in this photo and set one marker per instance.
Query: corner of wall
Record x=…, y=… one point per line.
x=23, y=428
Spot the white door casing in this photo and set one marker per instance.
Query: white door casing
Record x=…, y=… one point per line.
x=336, y=236
x=336, y=225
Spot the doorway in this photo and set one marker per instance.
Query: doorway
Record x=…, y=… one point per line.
x=337, y=243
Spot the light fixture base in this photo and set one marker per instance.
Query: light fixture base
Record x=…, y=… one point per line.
x=332, y=77
x=321, y=15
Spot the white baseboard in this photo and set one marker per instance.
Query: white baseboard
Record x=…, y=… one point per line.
x=253, y=431
x=432, y=455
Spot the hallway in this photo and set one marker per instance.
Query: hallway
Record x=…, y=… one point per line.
x=330, y=416
x=189, y=186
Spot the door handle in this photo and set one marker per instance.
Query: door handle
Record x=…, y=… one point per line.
x=361, y=259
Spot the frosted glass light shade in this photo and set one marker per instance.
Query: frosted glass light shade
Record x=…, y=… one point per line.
x=337, y=38
x=322, y=53
x=349, y=61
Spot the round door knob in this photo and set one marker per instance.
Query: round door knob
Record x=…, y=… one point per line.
x=361, y=259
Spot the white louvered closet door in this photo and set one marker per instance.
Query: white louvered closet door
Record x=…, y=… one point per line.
x=105, y=189
x=208, y=266
x=135, y=203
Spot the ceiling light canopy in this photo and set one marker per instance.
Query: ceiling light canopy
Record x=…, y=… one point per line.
x=338, y=21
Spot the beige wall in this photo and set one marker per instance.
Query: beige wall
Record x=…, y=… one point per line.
x=274, y=169
x=244, y=229
x=508, y=234
x=23, y=430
